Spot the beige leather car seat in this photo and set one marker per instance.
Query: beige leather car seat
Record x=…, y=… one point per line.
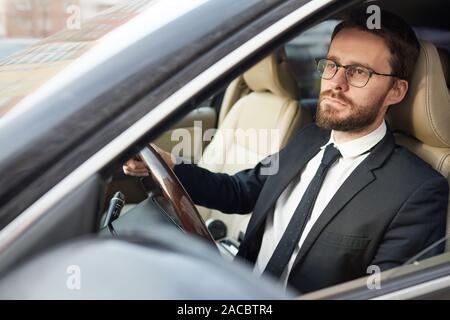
x=267, y=108
x=422, y=121
x=237, y=89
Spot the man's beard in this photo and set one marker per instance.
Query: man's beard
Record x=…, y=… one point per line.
x=359, y=117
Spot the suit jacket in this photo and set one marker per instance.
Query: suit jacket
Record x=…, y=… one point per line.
x=392, y=206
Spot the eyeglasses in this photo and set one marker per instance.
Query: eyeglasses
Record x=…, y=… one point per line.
x=356, y=75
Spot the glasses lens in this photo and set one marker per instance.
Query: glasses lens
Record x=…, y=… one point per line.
x=326, y=68
x=357, y=76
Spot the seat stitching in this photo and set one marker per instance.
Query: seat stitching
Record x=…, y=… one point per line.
x=428, y=71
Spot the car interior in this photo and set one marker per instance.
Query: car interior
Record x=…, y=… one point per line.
x=278, y=92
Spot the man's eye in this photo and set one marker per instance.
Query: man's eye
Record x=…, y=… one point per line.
x=355, y=71
x=360, y=71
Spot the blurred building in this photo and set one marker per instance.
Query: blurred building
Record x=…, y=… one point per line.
x=41, y=18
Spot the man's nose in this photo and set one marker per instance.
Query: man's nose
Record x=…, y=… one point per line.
x=339, y=81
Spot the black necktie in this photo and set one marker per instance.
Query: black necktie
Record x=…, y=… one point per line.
x=294, y=230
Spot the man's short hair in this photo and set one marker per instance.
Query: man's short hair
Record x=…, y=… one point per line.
x=396, y=33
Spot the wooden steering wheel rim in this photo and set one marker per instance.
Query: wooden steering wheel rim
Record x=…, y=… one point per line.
x=175, y=193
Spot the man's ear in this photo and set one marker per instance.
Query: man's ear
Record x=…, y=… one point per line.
x=397, y=92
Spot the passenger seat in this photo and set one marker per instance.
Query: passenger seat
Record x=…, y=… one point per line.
x=265, y=97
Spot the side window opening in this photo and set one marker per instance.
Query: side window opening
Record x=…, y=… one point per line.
x=440, y=38
x=302, y=51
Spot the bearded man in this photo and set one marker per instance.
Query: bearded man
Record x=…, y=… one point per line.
x=345, y=197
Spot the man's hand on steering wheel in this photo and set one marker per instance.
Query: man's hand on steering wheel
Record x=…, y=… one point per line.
x=160, y=164
x=137, y=168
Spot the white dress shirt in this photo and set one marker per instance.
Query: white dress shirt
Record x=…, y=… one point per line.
x=353, y=153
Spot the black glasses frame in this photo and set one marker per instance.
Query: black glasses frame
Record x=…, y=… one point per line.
x=338, y=66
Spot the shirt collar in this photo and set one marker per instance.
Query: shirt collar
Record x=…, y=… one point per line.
x=360, y=145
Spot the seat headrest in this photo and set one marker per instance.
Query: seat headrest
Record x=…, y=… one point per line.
x=273, y=74
x=425, y=111
x=445, y=61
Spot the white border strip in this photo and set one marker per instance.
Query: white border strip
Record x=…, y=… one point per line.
x=417, y=290
x=132, y=134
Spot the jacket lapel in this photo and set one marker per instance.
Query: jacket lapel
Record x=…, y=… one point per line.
x=358, y=180
x=302, y=149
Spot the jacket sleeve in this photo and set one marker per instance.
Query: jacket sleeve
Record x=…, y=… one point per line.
x=229, y=194
x=420, y=222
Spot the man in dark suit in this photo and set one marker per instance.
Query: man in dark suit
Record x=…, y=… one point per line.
x=345, y=197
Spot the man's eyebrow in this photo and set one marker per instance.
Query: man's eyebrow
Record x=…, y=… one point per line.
x=351, y=62
x=333, y=58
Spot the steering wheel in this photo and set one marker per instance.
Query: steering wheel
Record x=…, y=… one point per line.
x=174, y=192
